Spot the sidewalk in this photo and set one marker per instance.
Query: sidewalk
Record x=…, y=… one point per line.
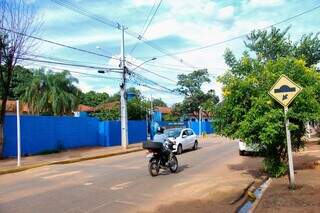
x=69, y=156
x=306, y=197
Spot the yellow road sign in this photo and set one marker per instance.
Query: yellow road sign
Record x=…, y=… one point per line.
x=284, y=90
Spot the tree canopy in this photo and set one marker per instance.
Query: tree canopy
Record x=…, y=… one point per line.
x=51, y=93
x=247, y=111
x=93, y=98
x=190, y=86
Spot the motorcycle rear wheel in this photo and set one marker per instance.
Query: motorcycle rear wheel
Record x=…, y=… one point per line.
x=154, y=167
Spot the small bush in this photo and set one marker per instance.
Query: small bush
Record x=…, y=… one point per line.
x=275, y=168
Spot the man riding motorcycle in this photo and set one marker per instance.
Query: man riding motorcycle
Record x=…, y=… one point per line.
x=160, y=137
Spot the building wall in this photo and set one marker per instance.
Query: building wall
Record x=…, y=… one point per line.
x=49, y=133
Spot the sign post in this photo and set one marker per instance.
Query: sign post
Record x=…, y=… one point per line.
x=284, y=91
x=18, y=135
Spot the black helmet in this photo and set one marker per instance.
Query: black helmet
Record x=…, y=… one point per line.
x=160, y=130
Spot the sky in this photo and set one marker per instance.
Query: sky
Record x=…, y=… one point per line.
x=177, y=26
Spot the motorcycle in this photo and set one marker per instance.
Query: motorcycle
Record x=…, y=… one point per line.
x=159, y=157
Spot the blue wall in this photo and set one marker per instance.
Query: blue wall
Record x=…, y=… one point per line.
x=206, y=127
x=47, y=133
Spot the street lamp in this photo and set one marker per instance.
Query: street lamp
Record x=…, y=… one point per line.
x=152, y=59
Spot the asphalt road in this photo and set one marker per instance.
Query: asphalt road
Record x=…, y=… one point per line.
x=115, y=184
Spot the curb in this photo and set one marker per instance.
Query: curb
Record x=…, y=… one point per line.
x=68, y=161
x=264, y=186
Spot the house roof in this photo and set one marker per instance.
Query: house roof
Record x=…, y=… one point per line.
x=11, y=106
x=164, y=110
x=195, y=114
x=85, y=108
x=106, y=106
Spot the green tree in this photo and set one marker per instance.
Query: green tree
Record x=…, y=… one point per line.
x=109, y=114
x=93, y=98
x=190, y=86
x=20, y=79
x=51, y=93
x=247, y=111
x=137, y=109
x=158, y=102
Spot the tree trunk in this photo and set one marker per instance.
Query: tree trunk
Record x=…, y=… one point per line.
x=2, y=114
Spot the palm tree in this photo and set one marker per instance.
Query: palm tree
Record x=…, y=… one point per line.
x=51, y=93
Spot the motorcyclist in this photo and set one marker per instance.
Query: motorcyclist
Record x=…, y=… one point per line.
x=162, y=138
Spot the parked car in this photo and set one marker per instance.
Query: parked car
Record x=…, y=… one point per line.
x=246, y=149
x=184, y=138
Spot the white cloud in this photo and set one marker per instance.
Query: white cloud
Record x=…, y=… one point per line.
x=138, y=3
x=29, y=1
x=226, y=13
x=264, y=3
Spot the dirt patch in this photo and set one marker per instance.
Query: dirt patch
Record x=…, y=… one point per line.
x=306, y=196
x=219, y=201
x=222, y=191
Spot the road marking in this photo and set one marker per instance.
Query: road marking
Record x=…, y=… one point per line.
x=120, y=186
x=125, y=202
x=61, y=175
x=88, y=184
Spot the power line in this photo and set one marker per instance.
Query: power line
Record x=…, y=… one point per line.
x=240, y=36
x=63, y=60
x=146, y=80
x=145, y=27
x=154, y=73
x=138, y=76
x=113, y=24
x=82, y=73
x=179, y=66
x=86, y=13
x=58, y=44
x=68, y=64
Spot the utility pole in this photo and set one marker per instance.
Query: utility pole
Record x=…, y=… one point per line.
x=123, y=99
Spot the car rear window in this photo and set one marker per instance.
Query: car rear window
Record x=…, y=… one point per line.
x=172, y=133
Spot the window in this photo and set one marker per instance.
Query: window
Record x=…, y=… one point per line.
x=185, y=132
x=190, y=132
x=172, y=132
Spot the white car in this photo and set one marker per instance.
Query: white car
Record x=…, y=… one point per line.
x=245, y=148
x=184, y=138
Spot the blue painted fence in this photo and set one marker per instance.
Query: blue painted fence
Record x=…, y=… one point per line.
x=47, y=133
x=206, y=127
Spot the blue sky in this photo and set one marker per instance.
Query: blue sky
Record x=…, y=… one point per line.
x=179, y=25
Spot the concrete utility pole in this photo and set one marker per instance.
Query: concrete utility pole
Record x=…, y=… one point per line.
x=123, y=100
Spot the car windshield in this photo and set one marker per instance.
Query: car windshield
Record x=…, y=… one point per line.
x=172, y=133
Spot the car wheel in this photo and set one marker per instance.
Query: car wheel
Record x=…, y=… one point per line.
x=195, y=145
x=241, y=152
x=179, y=150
